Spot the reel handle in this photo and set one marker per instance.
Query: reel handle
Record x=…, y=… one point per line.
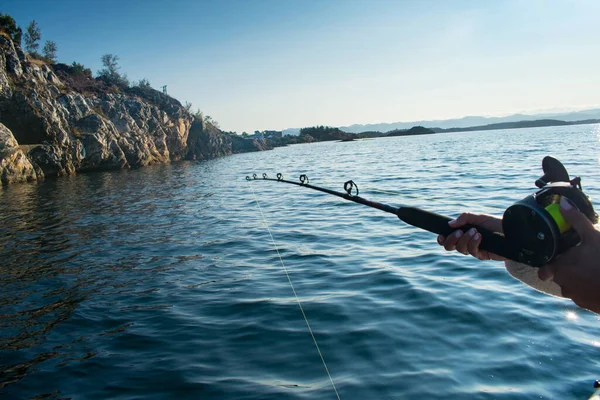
x=491, y=241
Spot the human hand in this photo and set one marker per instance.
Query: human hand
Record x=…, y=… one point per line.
x=468, y=242
x=577, y=271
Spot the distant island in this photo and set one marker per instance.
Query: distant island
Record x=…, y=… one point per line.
x=471, y=121
x=326, y=133
x=519, y=124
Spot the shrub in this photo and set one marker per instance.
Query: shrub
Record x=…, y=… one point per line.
x=110, y=74
x=144, y=84
x=79, y=78
x=8, y=26
x=80, y=69
x=49, y=51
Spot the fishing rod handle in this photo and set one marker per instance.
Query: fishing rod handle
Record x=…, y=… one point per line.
x=491, y=241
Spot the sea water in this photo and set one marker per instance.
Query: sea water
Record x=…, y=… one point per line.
x=167, y=282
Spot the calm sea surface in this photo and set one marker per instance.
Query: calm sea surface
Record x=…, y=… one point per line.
x=163, y=282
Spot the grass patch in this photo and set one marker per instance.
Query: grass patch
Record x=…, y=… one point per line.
x=36, y=61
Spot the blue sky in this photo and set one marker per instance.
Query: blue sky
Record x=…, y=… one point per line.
x=276, y=64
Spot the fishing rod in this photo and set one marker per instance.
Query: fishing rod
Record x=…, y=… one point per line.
x=533, y=230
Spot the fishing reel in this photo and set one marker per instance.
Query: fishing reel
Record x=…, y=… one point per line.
x=534, y=226
x=534, y=230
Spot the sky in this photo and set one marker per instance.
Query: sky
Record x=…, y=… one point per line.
x=277, y=64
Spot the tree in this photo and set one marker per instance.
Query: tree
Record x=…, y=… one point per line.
x=111, y=64
x=110, y=73
x=49, y=50
x=9, y=26
x=144, y=83
x=188, y=106
x=32, y=37
x=244, y=134
x=209, y=121
x=198, y=115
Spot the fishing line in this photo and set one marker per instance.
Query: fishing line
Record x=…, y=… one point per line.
x=295, y=295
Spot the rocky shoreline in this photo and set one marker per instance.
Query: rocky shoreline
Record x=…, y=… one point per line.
x=51, y=127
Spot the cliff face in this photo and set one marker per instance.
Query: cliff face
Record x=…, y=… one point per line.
x=50, y=126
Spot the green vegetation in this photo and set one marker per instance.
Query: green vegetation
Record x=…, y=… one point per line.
x=9, y=27
x=324, y=133
x=33, y=35
x=143, y=83
x=209, y=121
x=199, y=116
x=327, y=133
x=78, y=78
x=80, y=69
x=110, y=73
x=49, y=50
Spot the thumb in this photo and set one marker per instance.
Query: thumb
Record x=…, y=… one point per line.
x=546, y=273
x=582, y=225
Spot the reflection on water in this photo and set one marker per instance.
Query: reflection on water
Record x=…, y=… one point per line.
x=162, y=282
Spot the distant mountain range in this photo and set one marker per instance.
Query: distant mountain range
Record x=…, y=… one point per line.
x=466, y=122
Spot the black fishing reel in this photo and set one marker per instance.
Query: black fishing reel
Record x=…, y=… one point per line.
x=534, y=230
x=534, y=227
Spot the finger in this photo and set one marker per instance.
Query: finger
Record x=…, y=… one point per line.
x=558, y=269
x=462, y=246
x=450, y=243
x=481, y=254
x=582, y=225
x=468, y=218
x=546, y=273
x=441, y=239
x=473, y=247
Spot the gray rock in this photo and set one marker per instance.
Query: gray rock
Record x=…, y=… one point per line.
x=14, y=164
x=15, y=167
x=70, y=128
x=7, y=140
x=12, y=57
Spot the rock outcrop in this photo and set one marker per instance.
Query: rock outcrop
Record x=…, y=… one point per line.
x=241, y=145
x=14, y=164
x=57, y=121
x=205, y=142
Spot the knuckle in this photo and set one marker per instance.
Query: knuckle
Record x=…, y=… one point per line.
x=465, y=216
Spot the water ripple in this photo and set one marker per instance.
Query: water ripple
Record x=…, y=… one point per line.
x=163, y=282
